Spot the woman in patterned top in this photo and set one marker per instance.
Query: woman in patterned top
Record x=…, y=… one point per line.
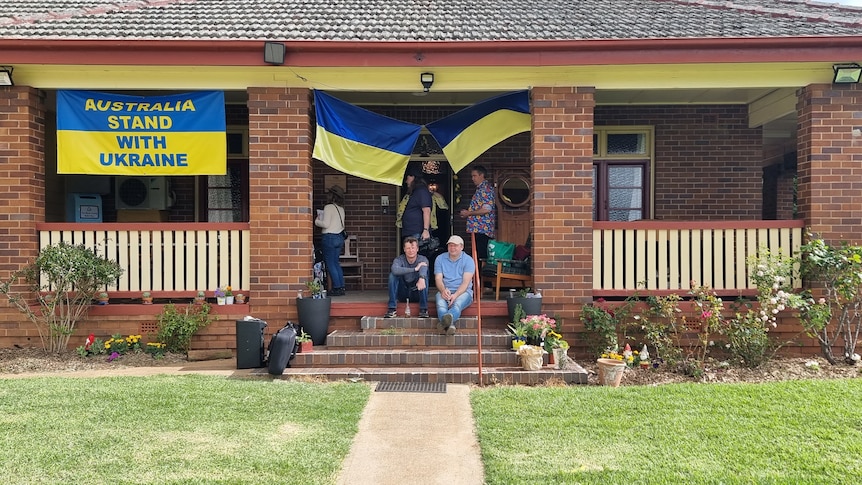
x=482, y=214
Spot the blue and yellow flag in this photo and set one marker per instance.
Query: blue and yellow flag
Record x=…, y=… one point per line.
x=470, y=132
x=365, y=144
x=112, y=134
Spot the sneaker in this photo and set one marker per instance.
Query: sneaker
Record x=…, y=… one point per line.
x=390, y=314
x=451, y=330
x=423, y=314
x=445, y=322
x=338, y=292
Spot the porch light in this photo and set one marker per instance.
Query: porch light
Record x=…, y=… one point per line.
x=847, y=73
x=6, y=75
x=273, y=53
x=427, y=79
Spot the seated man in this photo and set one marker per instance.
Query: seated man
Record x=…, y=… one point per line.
x=453, y=274
x=409, y=279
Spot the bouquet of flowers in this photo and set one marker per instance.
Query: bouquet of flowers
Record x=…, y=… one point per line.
x=538, y=326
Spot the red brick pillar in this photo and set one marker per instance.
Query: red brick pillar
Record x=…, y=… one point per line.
x=562, y=232
x=829, y=163
x=22, y=176
x=280, y=182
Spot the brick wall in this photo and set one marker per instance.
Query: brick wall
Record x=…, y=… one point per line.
x=830, y=160
x=562, y=204
x=22, y=203
x=707, y=160
x=280, y=183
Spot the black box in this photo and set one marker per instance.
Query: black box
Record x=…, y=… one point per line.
x=249, y=343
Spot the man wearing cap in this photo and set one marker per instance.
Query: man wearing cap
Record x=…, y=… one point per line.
x=453, y=275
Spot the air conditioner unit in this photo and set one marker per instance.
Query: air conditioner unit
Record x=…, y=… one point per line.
x=142, y=193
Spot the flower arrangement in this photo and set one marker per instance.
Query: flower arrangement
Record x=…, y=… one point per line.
x=227, y=291
x=538, y=326
x=554, y=340
x=219, y=293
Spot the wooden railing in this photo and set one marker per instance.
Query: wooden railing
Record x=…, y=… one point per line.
x=665, y=256
x=175, y=259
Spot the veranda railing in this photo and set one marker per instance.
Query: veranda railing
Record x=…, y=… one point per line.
x=177, y=259
x=665, y=256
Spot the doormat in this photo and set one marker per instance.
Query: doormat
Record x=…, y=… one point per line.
x=411, y=387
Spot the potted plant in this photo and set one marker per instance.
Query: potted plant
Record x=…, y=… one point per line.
x=557, y=348
x=147, y=298
x=201, y=298
x=220, y=296
x=313, y=313
x=103, y=298
x=228, y=295
x=530, y=302
x=518, y=331
x=240, y=298
x=305, y=343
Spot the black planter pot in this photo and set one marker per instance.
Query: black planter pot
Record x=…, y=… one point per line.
x=531, y=306
x=314, y=317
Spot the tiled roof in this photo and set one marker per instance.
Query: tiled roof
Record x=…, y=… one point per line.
x=423, y=20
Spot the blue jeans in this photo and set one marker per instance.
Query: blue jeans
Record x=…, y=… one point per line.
x=399, y=291
x=460, y=304
x=333, y=246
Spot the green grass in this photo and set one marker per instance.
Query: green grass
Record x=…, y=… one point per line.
x=175, y=429
x=807, y=432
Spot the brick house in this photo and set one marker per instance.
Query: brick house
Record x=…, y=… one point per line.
x=665, y=119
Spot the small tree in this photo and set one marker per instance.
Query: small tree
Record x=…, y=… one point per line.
x=56, y=290
x=836, y=316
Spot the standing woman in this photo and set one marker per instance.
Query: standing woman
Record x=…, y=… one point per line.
x=331, y=220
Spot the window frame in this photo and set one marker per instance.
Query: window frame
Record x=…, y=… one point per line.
x=602, y=160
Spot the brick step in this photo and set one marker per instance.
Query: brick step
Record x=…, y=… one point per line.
x=454, y=375
x=327, y=357
x=369, y=323
x=416, y=339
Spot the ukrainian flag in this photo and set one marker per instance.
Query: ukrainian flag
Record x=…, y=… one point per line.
x=365, y=144
x=470, y=132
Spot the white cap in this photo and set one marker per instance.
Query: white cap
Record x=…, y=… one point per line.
x=455, y=240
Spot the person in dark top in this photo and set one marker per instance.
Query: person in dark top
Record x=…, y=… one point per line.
x=416, y=218
x=409, y=279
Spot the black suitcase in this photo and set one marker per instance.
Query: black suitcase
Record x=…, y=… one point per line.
x=282, y=349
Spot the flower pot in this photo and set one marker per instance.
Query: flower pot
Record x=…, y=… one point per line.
x=531, y=357
x=305, y=347
x=313, y=316
x=560, y=358
x=240, y=300
x=610, y=371
x=221, y=300
x=147, y=300
x=228, y=300
x=531, y=306
x=517, y=342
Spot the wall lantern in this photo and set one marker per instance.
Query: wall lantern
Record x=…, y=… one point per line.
x=427, y=79
x=847, y=73
x=6, y=75
x=273, y=53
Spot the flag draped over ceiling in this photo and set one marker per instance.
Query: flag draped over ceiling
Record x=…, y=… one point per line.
x=365, y=144
x=470, y=132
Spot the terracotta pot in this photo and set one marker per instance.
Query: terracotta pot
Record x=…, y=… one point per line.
x=610, y=372
x=305, y=347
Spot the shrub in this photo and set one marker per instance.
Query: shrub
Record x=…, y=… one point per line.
x=56, y=289
x=176, y=327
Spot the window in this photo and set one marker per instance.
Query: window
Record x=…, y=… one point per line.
x=226, y=196
x=622, y=157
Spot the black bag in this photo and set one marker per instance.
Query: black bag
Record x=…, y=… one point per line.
x=344, y=234
x=282, y=349
x=429, y=245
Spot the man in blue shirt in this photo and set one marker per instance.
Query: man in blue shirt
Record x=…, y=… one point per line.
x=453, y=275
x=409, y=279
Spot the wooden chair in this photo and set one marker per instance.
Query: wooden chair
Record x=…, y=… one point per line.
x=513, y=225
x=351, y=264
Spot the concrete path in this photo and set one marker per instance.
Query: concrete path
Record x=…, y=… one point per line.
x=422, y=438
x=404, y=437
